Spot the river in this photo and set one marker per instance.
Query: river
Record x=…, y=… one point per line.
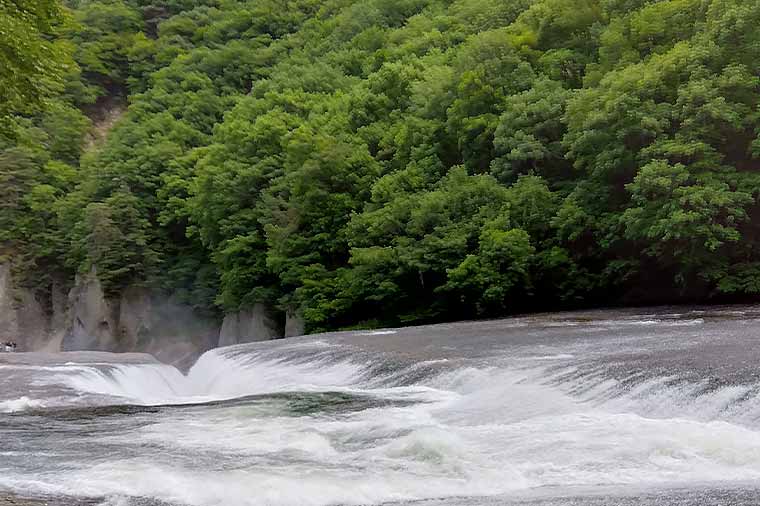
x=655, y=407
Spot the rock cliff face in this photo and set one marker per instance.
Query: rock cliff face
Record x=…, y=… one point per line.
x=294, y=324
x=137, y=320
x=165, y=328
x=93, y=318
x=23, y=318
x=8, y=313
x=246, y=326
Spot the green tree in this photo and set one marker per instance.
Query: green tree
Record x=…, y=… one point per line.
x=33, y=60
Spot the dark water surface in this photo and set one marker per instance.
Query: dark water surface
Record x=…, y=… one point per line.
x=653, y=407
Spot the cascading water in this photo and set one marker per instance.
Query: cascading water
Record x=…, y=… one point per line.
x=652, y=409
x=213, y=378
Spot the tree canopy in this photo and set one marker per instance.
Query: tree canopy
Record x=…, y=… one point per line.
x=381, y=162
x=32, y=60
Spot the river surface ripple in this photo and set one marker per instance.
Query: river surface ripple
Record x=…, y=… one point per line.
x=655, y=407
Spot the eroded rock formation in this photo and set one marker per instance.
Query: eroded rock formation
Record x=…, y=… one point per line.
x=294, y=324
x=258, y=323
x=139, y=319
x=93, y=318
x=24, y=319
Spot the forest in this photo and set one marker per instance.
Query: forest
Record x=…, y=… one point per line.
x=384, y=162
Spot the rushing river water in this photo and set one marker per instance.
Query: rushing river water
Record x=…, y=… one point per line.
x=610, y=407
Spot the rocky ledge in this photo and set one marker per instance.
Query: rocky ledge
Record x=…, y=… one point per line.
x=137, y=320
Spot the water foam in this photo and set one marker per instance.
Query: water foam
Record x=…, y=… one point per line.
x=477, y=432
x=461, y=430
x=487, y=392
x=20, y=404
x=215, y=376
x=668, y=396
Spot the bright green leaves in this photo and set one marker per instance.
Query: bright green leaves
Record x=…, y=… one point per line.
x=32, y=186
x=489, y=69
x=112, y=239
x=529, y=135
x=393, y=161
x=33, y=60
x=654, y=28
x=467, y=245
x=348, y=184
x=423, y=245
x=681, y=219
x=323, y=184
x=532, y=206
x=35, y=175
x=104, y=36
x=66, y=128
x=498, y=269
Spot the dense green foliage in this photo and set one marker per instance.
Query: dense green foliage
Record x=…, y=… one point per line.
x=32, y=61
x=379, y=162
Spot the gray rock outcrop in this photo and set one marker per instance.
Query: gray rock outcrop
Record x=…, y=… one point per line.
x=93, y=318
x=259, y=323
x=294, y=324
x=8, y=316
x=164, y=327
x=23, y=318
x=135, y=317
x=137, y=320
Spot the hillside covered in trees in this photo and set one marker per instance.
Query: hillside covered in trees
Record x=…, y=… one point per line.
x=382, y=162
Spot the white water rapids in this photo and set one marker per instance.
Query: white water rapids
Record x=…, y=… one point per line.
x=321, y=422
